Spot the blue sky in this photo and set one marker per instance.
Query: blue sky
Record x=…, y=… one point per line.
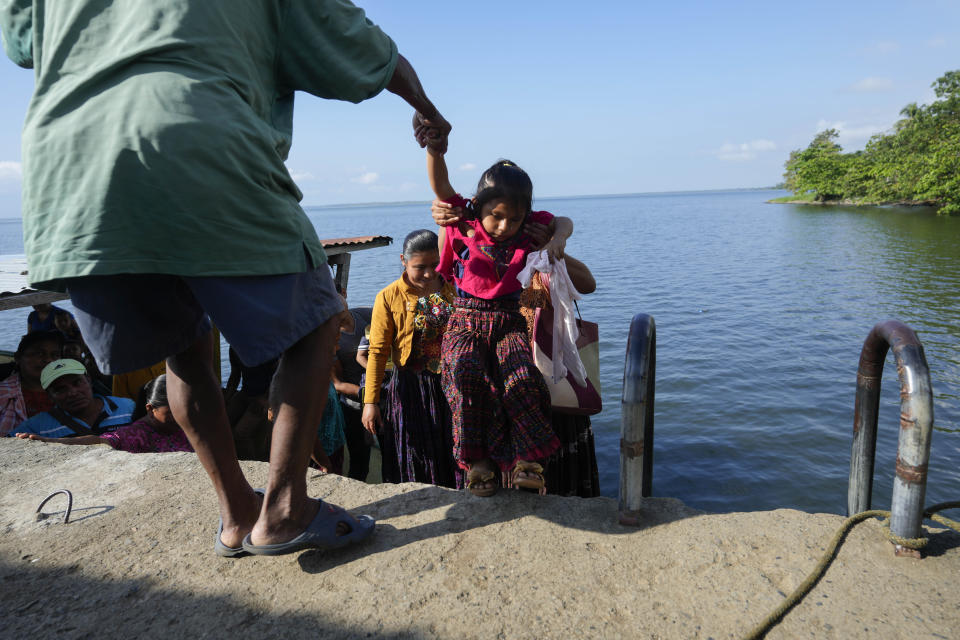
x=606, y=97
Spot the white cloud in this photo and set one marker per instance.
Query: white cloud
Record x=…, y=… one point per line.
x=469, y=166
x=10, y=170
x=409, y=186
x=366, y=178
x=850, y=134
x=872, y=84
x=937, y=42
x=744, y=150
x=302, y=176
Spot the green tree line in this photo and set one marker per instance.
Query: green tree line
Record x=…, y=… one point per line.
x=917, y=162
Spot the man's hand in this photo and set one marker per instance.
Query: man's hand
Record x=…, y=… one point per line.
x=445, y=214
x=432, y=132
x=31, y=436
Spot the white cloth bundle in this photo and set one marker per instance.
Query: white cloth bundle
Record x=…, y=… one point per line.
x=566, y=357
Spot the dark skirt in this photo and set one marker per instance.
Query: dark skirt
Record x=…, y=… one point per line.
x=417, y=438
x=572, y=469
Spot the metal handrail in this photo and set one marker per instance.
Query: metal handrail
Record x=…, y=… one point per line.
x=916, y=426
x=636, y=418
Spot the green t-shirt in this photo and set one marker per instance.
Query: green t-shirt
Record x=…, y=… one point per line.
x=156, y=136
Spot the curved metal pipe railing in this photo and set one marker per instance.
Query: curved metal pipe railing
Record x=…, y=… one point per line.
x=636, y=418
x=916, y=426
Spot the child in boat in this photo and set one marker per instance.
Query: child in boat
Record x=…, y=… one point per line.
x=498, y=398
x=155, y=432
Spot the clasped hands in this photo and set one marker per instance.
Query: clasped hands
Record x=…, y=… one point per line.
x=432, y=132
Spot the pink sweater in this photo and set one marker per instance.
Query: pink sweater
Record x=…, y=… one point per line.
x=480, y=277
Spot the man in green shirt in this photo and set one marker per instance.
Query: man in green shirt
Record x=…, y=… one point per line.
x=155, y=193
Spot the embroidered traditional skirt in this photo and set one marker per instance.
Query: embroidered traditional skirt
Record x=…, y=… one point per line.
x=417, y=434
x=500, y=403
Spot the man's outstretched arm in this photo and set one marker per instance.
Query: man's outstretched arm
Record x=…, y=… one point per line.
x=430, y=128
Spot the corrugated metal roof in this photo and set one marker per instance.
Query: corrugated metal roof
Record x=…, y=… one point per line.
x=330, y=242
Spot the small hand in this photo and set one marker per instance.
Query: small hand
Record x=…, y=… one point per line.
x=554, y=248
x=445, y=214
x=539, y=233
x=432, y=132
x=370, y=418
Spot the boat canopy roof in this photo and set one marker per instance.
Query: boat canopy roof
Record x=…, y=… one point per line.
x=15, y=292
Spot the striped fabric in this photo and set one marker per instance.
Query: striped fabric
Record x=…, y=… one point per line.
x=499, y=402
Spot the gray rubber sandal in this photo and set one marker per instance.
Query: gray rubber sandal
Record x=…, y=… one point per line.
x=223, y=550
x=320, y=534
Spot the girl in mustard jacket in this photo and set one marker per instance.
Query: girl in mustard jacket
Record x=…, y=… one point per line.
x=409, y=317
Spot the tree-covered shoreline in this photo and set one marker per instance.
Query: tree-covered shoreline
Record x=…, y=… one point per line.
x=917, y=163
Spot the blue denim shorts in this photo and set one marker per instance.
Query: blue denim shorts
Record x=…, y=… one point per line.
x=131, y=321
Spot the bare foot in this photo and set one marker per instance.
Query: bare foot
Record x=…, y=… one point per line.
x=234, y=530
x=285, y=529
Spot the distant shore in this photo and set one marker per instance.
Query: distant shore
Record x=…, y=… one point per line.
x=847, y=202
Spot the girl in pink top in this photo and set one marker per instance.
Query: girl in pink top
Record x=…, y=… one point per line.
x=497, y=396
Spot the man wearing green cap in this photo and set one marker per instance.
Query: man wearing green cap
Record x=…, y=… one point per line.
x=77, y=410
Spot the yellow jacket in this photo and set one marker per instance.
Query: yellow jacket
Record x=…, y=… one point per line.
x=127, y=385
x=391, y=331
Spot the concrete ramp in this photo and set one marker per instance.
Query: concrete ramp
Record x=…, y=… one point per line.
x=137, y=561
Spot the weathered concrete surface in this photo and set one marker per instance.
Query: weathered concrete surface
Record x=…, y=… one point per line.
x=137, y=561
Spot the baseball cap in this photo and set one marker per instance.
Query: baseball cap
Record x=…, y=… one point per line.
x=60, y=368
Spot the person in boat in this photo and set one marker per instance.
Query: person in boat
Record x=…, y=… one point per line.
x=45, y=317
x=347, y=374
x=155, y=431
x=500, y=403
x=572, y=469
x=409, y=317
x=21, y=394
x=77, y=410
x=327, y=449
x=176, y=116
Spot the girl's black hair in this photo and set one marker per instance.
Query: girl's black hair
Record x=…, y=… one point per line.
x=419, y=241
x=157, y=391
x=506, y=181
x=153, y=393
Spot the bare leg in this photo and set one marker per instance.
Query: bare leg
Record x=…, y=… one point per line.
x=196, y=400
x=303, y=379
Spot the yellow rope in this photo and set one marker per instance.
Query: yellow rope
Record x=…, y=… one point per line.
x=771, y=620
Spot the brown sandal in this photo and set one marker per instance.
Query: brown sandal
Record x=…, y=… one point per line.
x=479, y=475
x=534, y=480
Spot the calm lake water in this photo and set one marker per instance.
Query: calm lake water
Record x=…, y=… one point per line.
x=761, y=311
